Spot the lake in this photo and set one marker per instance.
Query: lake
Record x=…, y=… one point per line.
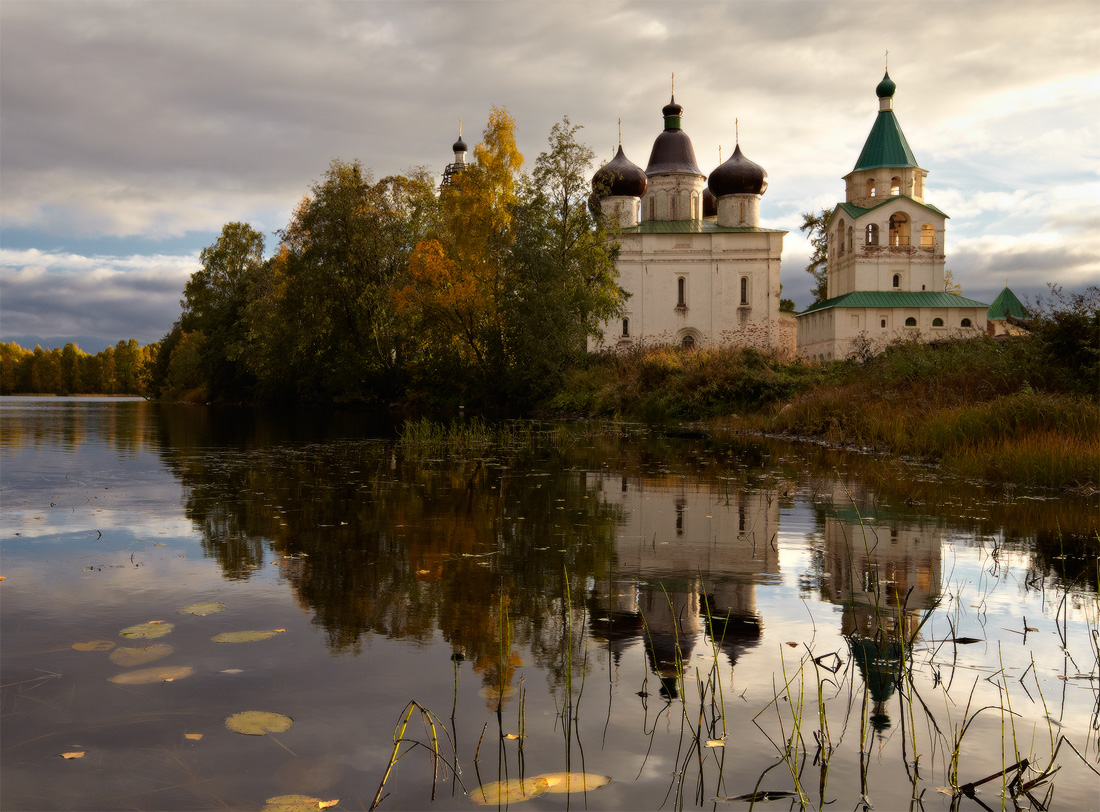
x=709, y=621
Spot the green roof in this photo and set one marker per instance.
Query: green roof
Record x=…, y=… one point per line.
x=1006, y=304
x=886, y=145
x=894, y=298
x=855, y=211
x=694, y=227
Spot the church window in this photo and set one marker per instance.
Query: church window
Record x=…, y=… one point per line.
x=966, y=323
x=882, y=323
x=694, y=207
x=910, y=322
x=672, y=208
x=626, y=327
x=681, y=292
x=744, y=290
x=895, y=186
x=688, y=342
x=937, y=322
x=872, y=234
x=927, y=235
x=652, y=209
x=849, y=244
x=899, y=229
x=897, y=280
x=871, y=188
x=840, y=238
x=741, y=211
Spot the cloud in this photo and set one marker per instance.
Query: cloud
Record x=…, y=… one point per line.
x=53, y=293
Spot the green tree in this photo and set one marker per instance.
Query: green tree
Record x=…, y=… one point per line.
x=814, y=225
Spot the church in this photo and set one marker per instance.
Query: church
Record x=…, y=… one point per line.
x=699, y=268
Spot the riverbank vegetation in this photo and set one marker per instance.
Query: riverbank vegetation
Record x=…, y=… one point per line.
x=119, y=370
x=1021, y=408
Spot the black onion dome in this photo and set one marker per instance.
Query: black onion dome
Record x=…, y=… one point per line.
x=672, y=151
x=460, y=145
x=672, y=108
x=738, y=176
x=620, y=177
x=710, y=203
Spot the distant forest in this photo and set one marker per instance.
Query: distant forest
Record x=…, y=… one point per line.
x=482, y=292
x=119, y=370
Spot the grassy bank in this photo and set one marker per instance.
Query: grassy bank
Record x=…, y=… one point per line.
x=1002, y=410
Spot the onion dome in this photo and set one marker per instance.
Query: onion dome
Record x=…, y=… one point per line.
x=710, y=203
x=886, y=87
x=460, y=145
x=594, y=205
x=620, y=177
x=672, y=151
x=738, y=176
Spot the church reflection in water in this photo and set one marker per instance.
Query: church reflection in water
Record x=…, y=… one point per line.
x=883, y=568
x=687, y=560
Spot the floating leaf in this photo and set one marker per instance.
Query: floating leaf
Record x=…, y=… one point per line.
x=94, y=645
x=193, y=736
x=257, y=723
x=74, y=754
x=511, y=791
x=202, y=609
x=233, y=671
x=715, y=743
x=296, y=803
x=244, y=637
x=573, y=782
x=130, y=657
x=154, y=628
x=511, y=735
x=793, y=645
x=144, y=676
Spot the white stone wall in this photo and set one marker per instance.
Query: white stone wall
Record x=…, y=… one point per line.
x=829, y=335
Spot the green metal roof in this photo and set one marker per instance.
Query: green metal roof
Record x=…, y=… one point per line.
x=1006, y=304
x=886, y=145
x=855, y=211
x=694, y=227
x=894, y=298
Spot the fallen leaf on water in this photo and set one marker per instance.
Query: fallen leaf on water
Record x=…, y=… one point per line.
x=154, y=628
x=158, y=543
x=192, y=736
x=512, y=791
x=715, y=743
x=3, y=577
x=296, y=803
x=74, y=754
x=511, y=735
x=94, y=645
x=244, y=637
x=573, y=782
x=144, y=676
x=793, y=645
x=202, y=609
x=1030, y=629
x=130, y=657
x=257, y=723
x=233, y=671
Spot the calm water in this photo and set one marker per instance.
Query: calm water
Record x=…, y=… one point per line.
x=604, y=599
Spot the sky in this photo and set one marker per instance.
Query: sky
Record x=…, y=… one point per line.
x=131, y=132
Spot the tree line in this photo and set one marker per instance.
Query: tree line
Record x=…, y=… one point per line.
x=379, y=291
x=119, y=370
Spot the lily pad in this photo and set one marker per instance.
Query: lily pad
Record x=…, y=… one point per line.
x=202, y=609
x=130, y=657
x=512, y=791
x=573, y=782
x=94, y=645
x=258, y=723
x=296, y=803
x=154, y=628
x=244, y=637
x=144, y=676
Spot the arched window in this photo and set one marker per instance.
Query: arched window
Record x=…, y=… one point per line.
x=681, y=292
x=688, y=342
x=744, y=290
x=694, y=207
x=626, y=327
x=849, y=243
x=965, y=323
x=927, y=235
x=652, y=209
x=840, y=237
x=937, y=322
x=872, y=234
x=895, y=186
x=910, y=322
x=871, y=188
x=882, y=323
x=897, y=280
x=672, y=208
x=899, y=229
x=741, y=211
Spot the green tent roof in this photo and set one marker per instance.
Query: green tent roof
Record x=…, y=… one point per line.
x=886, y=145
x=693, y=227
x=1006, y=304
x=894, y=298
